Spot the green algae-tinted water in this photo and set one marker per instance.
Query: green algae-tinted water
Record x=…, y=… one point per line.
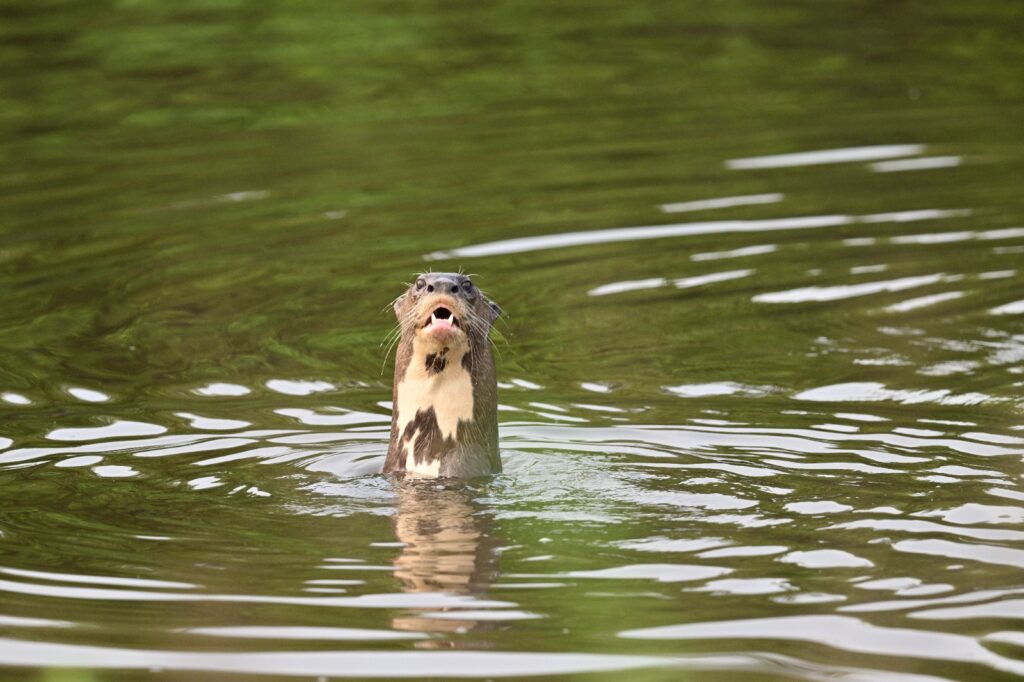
x=762, y=367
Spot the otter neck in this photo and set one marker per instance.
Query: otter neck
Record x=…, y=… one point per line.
x=433, y=396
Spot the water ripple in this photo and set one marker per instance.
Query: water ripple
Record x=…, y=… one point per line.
x=844, y=633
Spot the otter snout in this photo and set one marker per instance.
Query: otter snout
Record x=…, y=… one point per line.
x=444, y=318
x=441, y=283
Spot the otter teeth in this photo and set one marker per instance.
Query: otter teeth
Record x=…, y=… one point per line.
x=451, y=320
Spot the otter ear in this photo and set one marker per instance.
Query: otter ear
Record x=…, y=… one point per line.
x=397, y=305
x=493, y=311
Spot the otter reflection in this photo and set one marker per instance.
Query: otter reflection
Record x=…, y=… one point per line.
x=448, y=548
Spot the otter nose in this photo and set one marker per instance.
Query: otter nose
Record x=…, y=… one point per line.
x=442, y=285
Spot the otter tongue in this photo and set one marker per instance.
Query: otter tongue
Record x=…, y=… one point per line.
x=443, y=322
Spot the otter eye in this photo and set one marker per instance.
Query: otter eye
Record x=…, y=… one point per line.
x=420, y=283
x=467, y=285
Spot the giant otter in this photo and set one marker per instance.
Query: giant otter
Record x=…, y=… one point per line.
x=444, y=417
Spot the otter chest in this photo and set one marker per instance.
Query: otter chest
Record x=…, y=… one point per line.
x=429, y=410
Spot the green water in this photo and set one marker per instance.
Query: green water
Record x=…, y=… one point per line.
x=770, y=437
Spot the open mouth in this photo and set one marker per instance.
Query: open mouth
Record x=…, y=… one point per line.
x=442, y=318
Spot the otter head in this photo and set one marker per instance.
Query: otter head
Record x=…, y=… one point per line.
x=444, y=312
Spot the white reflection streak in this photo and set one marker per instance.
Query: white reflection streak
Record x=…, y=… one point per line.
x=722, y=202
x=107, y=447
x=907, y=604
x=933, y=238
x=627, y=234
x=97, y=579
x=778, y=440
x=913, y=216
x=20, y=622
x=630, y=285
x=715, y=388
x=424, y=600
x=117, y=429
x=221, y=389
x=114, y=471
x=946, y=237
x=1015, y=308
x=361, y=664
x=996, y=274
x=337, y=419
x=987, y=554
x=656, y=282
x=701, y=280
x=827, y=156
x=304, y=633
x=873, y=391
x=207, y=424
x=662, y=573
x=1012, y=608
x=736, y=253
x=89, y=395
x=1005, y=233
x=299, y=388
x=826, y=558
x=923, y=301
x=204, y=446
x=924, y=163
x=834, y=293
x=912, y=526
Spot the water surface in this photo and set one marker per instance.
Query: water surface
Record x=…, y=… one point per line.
x=761, y=369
